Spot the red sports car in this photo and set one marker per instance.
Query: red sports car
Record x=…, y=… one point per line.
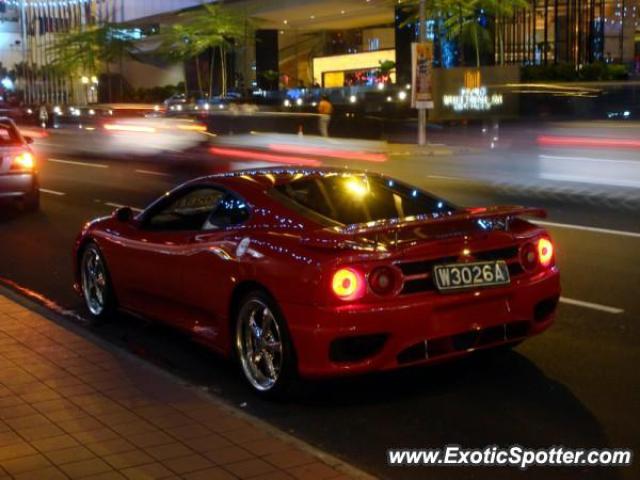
x=322, y=272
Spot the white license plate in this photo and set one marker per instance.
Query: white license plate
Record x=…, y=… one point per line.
x=457, y=276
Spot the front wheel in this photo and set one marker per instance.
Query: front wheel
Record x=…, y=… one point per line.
x=95, y=283
x=263, y=346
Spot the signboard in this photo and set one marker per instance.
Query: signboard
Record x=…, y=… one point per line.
x=473, y=96
x=422, y=67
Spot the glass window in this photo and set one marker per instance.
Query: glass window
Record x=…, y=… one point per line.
x=231, y=210
x=9, y=135
x=186, y=211
x=350, y=199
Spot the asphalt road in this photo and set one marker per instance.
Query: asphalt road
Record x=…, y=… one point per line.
x=576, y=385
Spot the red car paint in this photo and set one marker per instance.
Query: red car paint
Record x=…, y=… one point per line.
x=191, y=279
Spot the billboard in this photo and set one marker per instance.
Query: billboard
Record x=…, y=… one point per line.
x=422, y=68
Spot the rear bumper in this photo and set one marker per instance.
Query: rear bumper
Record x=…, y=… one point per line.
x=420, y=328
x=17, y=185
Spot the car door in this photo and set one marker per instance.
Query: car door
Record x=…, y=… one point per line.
x=211, y=270
x=153, y=252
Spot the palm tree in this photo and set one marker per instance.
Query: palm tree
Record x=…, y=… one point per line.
x=89, y=51
x=204, y=30
x=461, y=19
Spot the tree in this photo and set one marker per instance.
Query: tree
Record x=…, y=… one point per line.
x=204, y=30
x=461, y=19
x=89, y=51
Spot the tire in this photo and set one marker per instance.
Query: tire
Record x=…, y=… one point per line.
x=271, y=372
x=95, y=284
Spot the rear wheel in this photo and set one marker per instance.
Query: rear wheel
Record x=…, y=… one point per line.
x=263, y=346
x=96, y=284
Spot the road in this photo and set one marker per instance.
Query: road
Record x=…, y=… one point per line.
x=576, y=385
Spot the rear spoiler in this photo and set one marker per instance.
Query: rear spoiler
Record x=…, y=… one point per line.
x=463, y=216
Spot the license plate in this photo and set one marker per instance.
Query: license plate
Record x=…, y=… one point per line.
x=457, y=276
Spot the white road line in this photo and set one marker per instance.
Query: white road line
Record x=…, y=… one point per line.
x=588, y=159
x=52, y=192
x=593, y=306
x=445, y=177
x=607, y=231
x=73, y=162
x=151, y=172
x=119, y=205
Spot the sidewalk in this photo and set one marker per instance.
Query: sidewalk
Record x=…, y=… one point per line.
x=73, y=408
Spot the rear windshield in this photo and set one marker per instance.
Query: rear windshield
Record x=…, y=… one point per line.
x=9, y=135
x=350, y=199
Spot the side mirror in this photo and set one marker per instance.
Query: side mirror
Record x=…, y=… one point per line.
x=123, y=214
x=29, y=140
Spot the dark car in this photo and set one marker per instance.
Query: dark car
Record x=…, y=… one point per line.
x=322, y=272
x=18, y=169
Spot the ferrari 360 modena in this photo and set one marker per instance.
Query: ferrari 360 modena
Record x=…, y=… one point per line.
x=308, y=273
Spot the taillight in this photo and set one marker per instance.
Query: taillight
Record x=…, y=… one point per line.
x=545, y=251
x=348, y=284
x=538, y=253
x=23, y=162
x=382, y=280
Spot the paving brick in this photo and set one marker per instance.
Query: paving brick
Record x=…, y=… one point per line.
x=150, y=471
x=226, y=455
x=189, y=463
x=127, y=459
x=214, y=473
x=314, y=471
x=19, y=465
x=292, y=457
x=85, y=468
x=152, y=438
x=15, y=450
x=111, y=446
x=171, y=450
x=249, y=468
x=69, y=455
x=52, y=444
x=48, y=473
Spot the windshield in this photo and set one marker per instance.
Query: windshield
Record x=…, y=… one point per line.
x=351, y=199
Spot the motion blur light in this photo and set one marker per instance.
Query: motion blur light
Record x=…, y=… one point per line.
x=402, y=95
x=348, y=284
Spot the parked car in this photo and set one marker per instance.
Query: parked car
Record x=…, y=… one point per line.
x=322, y=272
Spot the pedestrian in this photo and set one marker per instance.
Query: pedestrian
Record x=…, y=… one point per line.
x=325, y=109
x=43, y=115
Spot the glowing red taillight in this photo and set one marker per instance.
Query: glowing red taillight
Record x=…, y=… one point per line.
x=545, y=251
x=348, y=284
x=382, y=281
x=538, y=253
x=23, y=162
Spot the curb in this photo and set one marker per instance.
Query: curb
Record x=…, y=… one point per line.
x=35, y=305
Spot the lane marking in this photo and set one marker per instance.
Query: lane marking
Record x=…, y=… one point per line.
x=607, y=231
x=73, y=162
x=119, y=205
x=593, y=306
x=589, y=159
x=151, y=172
x=52, y=192
x=445, y=177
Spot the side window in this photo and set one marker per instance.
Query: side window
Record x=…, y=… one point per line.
x=188, y=211
x=231, y=210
